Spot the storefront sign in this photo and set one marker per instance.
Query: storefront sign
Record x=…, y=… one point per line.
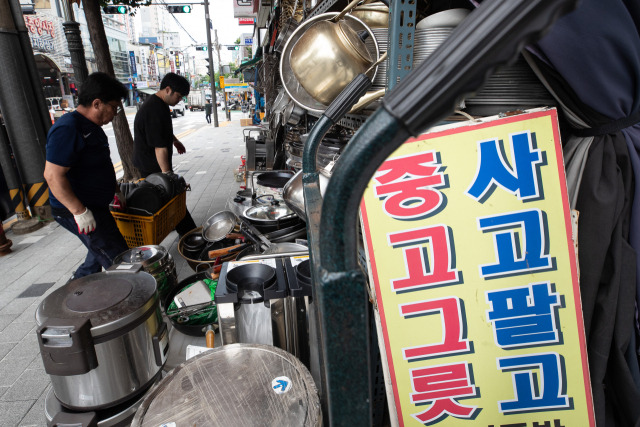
x=237, y=87
x=132, y=63
x=243, y=9
x=468, y=233
x=41, y=33
x=246, y=21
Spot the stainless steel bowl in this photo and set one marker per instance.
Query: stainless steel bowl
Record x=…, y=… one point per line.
x=267, y=213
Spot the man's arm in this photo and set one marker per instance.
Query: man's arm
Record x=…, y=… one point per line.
x=178, y=145
x=56, y=177
x=162, y=156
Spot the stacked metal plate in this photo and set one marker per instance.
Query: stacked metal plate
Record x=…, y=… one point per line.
x=510, y=88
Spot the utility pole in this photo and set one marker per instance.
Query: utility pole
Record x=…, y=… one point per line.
x=212, y=73
x=224, y=94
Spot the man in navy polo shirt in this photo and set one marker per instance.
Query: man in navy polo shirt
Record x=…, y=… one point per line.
x=80, y=174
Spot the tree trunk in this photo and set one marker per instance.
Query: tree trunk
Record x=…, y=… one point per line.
x=124, y=140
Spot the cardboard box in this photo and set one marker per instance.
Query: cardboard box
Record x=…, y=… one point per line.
x=246, y=122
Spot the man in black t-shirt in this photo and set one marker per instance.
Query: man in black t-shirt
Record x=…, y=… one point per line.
x=80, y=174
x=153, y=138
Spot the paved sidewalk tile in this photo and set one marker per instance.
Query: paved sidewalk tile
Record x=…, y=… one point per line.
x=41, y=262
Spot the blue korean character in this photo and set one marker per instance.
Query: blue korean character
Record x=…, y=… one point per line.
x=524, y=316
x=537, y=381
x=512, y=259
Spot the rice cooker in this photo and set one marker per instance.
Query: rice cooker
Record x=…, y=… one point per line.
x=102, y=338
x=155, y=260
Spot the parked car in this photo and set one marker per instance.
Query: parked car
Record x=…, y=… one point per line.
x=177, y=109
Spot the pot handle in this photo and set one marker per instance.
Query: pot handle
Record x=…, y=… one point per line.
x=346, y=10
x=161, y=344
x=66, y=346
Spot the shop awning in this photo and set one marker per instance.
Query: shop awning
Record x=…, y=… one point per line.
x=147, y=90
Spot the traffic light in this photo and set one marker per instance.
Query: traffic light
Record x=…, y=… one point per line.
x=201, y=48
x=236, y=47
x=183, y=8
x=115, y=10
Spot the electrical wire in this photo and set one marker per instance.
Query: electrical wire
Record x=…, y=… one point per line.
x=178, y=22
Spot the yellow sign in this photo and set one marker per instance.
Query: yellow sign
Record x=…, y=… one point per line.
x=468, y=233
x=221, y=82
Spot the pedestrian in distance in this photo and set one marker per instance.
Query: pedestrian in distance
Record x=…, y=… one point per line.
x=207, y=110
x=80, y=174
x=153, y=138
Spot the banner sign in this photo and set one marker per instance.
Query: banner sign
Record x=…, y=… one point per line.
x=132, y=63
x=468, y=232
x=246, y=21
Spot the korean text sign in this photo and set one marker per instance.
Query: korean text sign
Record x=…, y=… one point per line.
x=468, y=233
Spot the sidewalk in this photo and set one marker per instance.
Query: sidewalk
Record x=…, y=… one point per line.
x=42, y=261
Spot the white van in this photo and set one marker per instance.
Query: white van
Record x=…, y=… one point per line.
x=177, y=109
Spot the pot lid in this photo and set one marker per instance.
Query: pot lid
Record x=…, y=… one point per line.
x=145, y=255
x=111, y=300
x=267, y=212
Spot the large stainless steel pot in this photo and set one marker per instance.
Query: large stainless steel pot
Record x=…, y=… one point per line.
x=155, y=260
x=327, y=57
x=374, y=15
x=289, y=81
x=102, y=338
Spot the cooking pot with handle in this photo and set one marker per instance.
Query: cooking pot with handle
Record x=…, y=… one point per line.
x=102, y=338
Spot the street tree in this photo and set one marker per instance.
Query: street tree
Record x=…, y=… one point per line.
x=98, y=38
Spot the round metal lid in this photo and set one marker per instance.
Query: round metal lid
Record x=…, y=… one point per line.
x=111, y=300
x=267, y=212
x=253, y=385
x=145, y=255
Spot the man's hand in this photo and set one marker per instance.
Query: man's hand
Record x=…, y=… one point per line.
x=179, y=147
x=86, y=222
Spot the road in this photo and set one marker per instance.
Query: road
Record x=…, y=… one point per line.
x=182, y=127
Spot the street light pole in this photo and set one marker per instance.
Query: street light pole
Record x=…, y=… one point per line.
x=212, y=73
x=227, y=109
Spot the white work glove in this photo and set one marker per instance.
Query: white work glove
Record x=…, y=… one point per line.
x=86, y=222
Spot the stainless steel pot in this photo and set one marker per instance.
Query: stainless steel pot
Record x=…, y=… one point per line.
x=102, y=338
x=293, y=193
x=155, y=260
x=289, y=81
x=374, y=15
x=327, y=57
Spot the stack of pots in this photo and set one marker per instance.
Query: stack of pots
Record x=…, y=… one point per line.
x=103, y=343
x=156, y=261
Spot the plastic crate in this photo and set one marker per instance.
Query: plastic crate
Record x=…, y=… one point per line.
x=140, y=230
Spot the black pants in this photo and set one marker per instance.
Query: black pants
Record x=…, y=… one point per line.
x=208, y=117
x=104, y=244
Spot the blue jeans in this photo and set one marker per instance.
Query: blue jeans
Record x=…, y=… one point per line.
x=103, y=244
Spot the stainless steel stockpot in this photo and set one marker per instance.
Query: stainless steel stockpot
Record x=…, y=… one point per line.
x=102, y=338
